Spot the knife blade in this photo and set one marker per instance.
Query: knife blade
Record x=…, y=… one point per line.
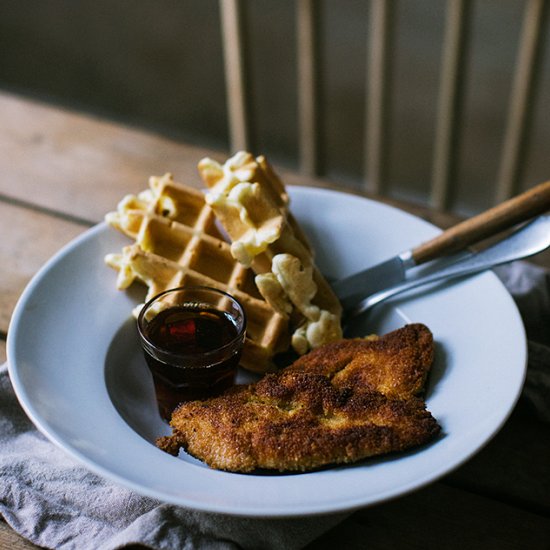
x=350, y=290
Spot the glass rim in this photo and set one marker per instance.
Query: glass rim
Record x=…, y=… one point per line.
x=151, y=346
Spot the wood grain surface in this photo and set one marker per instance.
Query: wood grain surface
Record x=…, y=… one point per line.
x=66, y=170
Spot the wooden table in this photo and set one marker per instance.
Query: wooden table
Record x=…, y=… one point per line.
x=62, y=171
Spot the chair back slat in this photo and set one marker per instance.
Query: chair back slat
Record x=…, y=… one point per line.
x=521, y=100
x=307, y=54
x=449, y=103
x=378, y=93
x=231, y=14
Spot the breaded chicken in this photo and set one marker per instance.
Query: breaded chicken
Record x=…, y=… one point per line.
x=396, y=364
x=351, y=401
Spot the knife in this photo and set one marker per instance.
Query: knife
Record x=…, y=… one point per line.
x=354, y=288
x=529, y=239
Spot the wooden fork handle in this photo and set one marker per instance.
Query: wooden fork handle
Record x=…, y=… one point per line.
x=533, y=202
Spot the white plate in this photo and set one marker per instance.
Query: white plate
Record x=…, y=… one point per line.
x=78, y=372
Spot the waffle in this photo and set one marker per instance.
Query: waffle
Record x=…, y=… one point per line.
x=252, y=204
x=177, y=243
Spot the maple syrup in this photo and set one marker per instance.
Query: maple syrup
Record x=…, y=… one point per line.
x=192, y=350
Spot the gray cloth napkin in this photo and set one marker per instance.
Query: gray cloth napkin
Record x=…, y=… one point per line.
x=56, y=503
x=530, y=287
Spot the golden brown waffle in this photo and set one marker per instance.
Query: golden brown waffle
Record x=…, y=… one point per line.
x=178, y=243
x=168, y=199
x=252, y=204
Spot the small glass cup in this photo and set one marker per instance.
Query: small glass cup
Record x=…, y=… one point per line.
x=192, y=339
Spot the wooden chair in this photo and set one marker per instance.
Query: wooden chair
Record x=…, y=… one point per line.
x=451, y=91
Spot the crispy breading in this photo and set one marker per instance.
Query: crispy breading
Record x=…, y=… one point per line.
x=316, y=412
x=396, y=364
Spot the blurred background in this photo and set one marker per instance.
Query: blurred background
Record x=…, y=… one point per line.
x=159, y=64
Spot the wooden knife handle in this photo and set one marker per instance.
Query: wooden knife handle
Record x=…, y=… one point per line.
x=533, y=202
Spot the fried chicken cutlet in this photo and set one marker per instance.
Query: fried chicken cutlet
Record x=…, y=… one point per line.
x=396, y=364
x=344, y=402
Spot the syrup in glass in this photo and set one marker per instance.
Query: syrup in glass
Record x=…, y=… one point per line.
x=198, y=354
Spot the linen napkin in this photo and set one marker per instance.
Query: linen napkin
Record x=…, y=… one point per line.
x=529, y=285
x=56, y=503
